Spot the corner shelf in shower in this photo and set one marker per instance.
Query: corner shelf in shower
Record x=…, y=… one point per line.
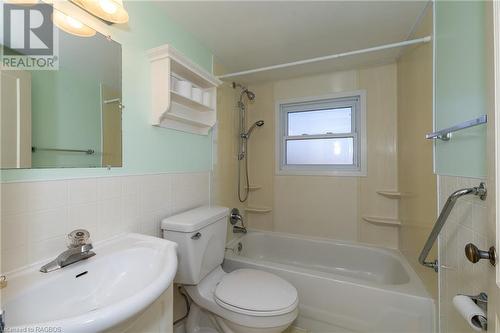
x=390, y=194
x=254, y=187
x=382, y=220
x=172, y=110
x=258, y=210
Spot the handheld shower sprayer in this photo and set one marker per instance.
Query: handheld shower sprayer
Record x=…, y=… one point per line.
x=258, y=123
x=243, y=139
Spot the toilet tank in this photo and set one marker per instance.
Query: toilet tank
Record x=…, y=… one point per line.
x=201, y=237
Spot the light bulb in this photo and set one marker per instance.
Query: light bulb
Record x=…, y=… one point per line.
x=74, y=22
x=109, y=6
x=71, y=25
x=108, y=10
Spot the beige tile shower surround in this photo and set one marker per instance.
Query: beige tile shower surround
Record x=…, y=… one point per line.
x=326, y=206
x=468, y=223
x=36, y=216
x=399, y=111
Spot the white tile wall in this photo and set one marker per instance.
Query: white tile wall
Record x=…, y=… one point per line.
x=466, y=224
x=36, y=216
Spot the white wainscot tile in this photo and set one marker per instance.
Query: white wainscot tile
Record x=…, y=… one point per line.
x=189, y=191
x=82, y=191
x=48, y=195
x=463, y=213
x=150, y=224
x=15, y=198
x=451, y=186
x=14, y=231
x=109, y=187
x=131, y=185
x=156, y=194
x=480, y=219
x=47, y=224
x=109, y=215
x=131, y=208
x=83, y=217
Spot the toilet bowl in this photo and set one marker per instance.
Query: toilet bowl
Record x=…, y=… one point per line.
x=246, y=301
x=242, y=301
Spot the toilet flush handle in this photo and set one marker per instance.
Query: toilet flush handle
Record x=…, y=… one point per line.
x=196, y=236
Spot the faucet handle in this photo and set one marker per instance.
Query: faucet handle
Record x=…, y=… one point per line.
x=78, y=238
x=235, y=216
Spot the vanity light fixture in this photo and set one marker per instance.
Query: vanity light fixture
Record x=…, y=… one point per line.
x=22, y=2
x=71, y=25
x=108, y=10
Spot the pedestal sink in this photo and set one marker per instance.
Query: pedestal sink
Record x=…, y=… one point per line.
x=127, y=274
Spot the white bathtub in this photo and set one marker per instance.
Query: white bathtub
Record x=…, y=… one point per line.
x=343, y=287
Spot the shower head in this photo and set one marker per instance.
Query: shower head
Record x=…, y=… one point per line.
x=258, y=123
x=244, y=91
x=250, y=94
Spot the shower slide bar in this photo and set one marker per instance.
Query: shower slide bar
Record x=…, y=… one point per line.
x=329, y=57
x=86, y=151
x=445, y=134
x=443, y=216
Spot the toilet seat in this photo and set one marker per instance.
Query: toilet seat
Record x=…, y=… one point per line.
x=255, y=293
x=203, y=294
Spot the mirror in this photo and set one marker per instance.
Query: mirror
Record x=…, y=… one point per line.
x=70, y=117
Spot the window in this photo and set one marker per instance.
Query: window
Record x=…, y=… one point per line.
x=322, y=136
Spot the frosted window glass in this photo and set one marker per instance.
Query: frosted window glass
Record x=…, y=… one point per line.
x=320, y=151
x=320, y=122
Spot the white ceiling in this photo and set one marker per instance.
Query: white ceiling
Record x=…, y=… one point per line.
x=250, y=34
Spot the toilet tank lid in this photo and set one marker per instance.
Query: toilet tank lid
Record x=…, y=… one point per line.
x=194, y=219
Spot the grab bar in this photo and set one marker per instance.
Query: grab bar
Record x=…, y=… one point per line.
x=445, y=134
x=443, y=216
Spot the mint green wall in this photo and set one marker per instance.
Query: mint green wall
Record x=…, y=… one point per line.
x=65, y=114
x=146, y=149
x=460, y=86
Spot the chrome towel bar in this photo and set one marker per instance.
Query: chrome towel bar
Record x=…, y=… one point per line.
x=86, y=151
x=443, y=216
x=445, y=134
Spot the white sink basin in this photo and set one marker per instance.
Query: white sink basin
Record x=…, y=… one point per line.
x=125, y=276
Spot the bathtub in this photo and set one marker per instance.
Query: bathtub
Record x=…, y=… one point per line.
x=343, y=287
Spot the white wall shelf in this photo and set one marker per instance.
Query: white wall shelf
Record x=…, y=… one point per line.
x=382, y=220
x=390, y=194
x=191, y=103
x=172, y=109
x=258, y=210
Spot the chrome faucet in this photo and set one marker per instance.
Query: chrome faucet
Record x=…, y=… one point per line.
x=79, y=248
x=236, y=217
x=241, y=230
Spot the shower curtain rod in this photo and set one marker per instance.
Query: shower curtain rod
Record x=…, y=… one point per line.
x=329, y=57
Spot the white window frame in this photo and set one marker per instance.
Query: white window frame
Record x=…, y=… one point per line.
x=358, y=133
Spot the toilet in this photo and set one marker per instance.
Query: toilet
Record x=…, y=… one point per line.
x=242, y=301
